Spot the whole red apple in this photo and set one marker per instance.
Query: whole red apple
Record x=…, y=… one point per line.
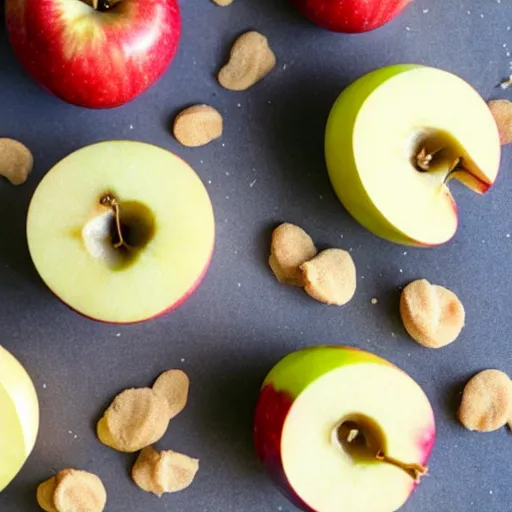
x=94, y=53
x=350, y=15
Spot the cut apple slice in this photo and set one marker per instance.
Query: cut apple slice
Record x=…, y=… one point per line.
x=121, y=231
x=19, y=417
x=395, y=137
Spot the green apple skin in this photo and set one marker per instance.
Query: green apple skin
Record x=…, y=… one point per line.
x=283, y=384
x=338, y=137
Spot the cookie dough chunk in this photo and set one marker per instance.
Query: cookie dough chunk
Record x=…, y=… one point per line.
x=432, y=315
x=45, y=493
x=251, y=59
x=486, y=401
x=291, y=246
x=197, y=126
x=173, y=385
x=164, y=472
x=502, y=112
x=136, y=418
x=16, y=161
x=330, y=277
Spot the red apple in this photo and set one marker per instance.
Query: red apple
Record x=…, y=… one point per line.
x=350, y=15
x=98, y=57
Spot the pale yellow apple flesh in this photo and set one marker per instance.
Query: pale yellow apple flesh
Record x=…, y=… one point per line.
x=164, y=213
x=382, y=400
x=396, y=113
x=19, y=417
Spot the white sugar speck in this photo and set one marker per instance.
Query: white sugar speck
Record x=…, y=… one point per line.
x=223, y=145
x=341, y=236
x=269, y=102
x=200, y=161
x=374, y=300
x=209, y=182
x=239, y=285
x=75, y=436
x=393, y=334
x=227, y=173
x=469, y=12
x=70, y=432
x=118, y=334
x=44, y=385
x=508, y=235
x=182, y=359
x=252, y=183
x=490, y=492
x=227, y=197
x=321, y=196
x=405, y=253
x=239, y=105
x=131, y=127
x=400, y=270
x=481, y=16
x=425, y=11
x=285, y=66
x=408, y=28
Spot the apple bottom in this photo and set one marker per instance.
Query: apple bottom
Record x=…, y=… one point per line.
x=305, y=442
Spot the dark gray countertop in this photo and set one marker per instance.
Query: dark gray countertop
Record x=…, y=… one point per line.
x=267, y=168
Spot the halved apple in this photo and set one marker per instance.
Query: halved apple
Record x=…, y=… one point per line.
x=342, y=429
x=396, y=137
x=19, y=417
x=121, y=231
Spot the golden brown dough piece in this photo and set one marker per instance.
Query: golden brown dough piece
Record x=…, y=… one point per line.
x=291, y=246
x=432, y=315
x=173, y=385
x=502, y=112
x=486, y=401
x=197, y=126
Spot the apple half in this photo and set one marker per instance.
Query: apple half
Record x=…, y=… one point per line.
x=343, y=429
x=121, y=231
x=396, y=137
x=19, y=417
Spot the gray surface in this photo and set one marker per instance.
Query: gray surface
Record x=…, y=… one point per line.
x=240, y=322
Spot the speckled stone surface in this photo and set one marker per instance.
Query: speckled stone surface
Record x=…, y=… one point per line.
x=267, y=168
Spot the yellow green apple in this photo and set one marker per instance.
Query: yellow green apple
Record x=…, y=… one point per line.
x=396, y=137
x=19, y=417
x=121, y=231
x=342, y=429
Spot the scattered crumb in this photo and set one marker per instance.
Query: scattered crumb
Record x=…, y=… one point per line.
x=290, y=247
x=251, y=59
x=486, y=401
x=252, y=183
x=374, y=301
x=432, y=315
x=393, y=335
x=197, y=125
x=44, y=385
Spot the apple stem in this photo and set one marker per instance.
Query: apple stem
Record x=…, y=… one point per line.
x=415, y=471
x=110, y=201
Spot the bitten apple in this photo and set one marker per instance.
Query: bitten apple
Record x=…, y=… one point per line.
x=396, y=137
x=342, y=429
x=19, y=417
x=94, y=53
x=350, y=15
x=121, y=231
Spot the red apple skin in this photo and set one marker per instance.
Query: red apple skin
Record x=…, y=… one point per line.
x=269, y=417
x=134, y=48
x=350, y=16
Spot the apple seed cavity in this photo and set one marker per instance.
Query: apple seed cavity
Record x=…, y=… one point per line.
x=362, y=440
x=502, y=112
x=432, y=315
x=251, y=59
x=290, y=247
x=330, y=277
x=16, y=161
x=135, y=419
x=486, y=403
x=164, y=472
x=197, y=125
x=173, y=385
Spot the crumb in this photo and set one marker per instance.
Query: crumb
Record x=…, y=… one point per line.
x=251, y=59
x=502, y=112
x=222, y=3
x=252, y=183
x=374, y=301
x=393, y=335
x=432, y=315
x=197, y=125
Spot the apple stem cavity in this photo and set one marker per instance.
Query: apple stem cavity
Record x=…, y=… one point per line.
x=109, y=201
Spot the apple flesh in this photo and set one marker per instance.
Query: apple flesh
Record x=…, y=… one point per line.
x=342, y=429
x=96, y=58
x=351, y=16
x=396, y=137
x=19, y=417
x=121, y=231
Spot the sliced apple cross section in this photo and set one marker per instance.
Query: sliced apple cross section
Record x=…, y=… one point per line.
x=121, y=231
x=394, y=140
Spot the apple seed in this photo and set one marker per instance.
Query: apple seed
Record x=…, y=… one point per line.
x=290, y=247
x=164, y=472
x=173, y=385
x=330, y=277
x=502, y=112
x=16, y=161
x=432, y=315
x=197, y=125
x=251, y=59
x=486, y=403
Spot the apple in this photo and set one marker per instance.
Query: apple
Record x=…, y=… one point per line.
x=94, y=53
x=121, y=231
x=342, y=429
x=396, y=137
x=19, y=417
x=350, y=15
